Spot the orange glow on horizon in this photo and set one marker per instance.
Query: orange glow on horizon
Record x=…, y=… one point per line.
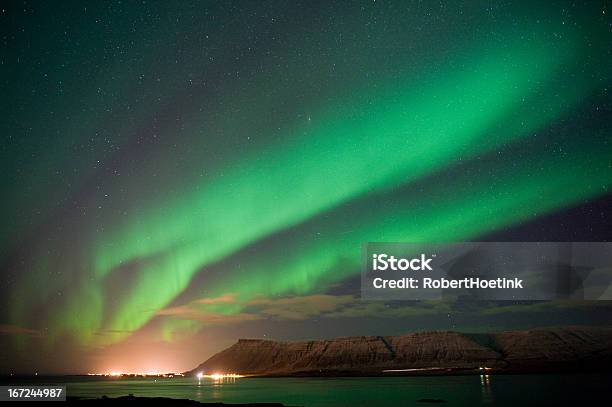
x=114, y=373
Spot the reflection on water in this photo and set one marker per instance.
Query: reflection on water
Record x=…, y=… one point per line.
x=210, y=386
x=485, y=385
x=472, y=390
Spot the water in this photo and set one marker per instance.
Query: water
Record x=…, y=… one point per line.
x=498, y=390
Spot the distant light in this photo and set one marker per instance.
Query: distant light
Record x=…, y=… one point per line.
x=153, y=373
x=200, y=375
x=219, y=376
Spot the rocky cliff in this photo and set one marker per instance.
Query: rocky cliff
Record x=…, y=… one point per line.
x=575, y=348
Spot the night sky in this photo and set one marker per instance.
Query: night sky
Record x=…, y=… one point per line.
x=176, y=175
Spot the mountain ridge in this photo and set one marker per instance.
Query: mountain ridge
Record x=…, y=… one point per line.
x=534, y=350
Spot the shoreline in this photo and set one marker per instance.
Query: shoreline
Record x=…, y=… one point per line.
x=421, y=372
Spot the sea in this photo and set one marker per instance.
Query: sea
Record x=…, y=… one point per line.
x=493, y=390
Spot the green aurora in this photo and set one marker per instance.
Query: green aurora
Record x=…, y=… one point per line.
x=447, y=147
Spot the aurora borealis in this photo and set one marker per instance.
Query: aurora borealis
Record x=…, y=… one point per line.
x=177, y=172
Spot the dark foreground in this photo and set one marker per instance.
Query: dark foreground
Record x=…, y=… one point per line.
x=123, y=400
